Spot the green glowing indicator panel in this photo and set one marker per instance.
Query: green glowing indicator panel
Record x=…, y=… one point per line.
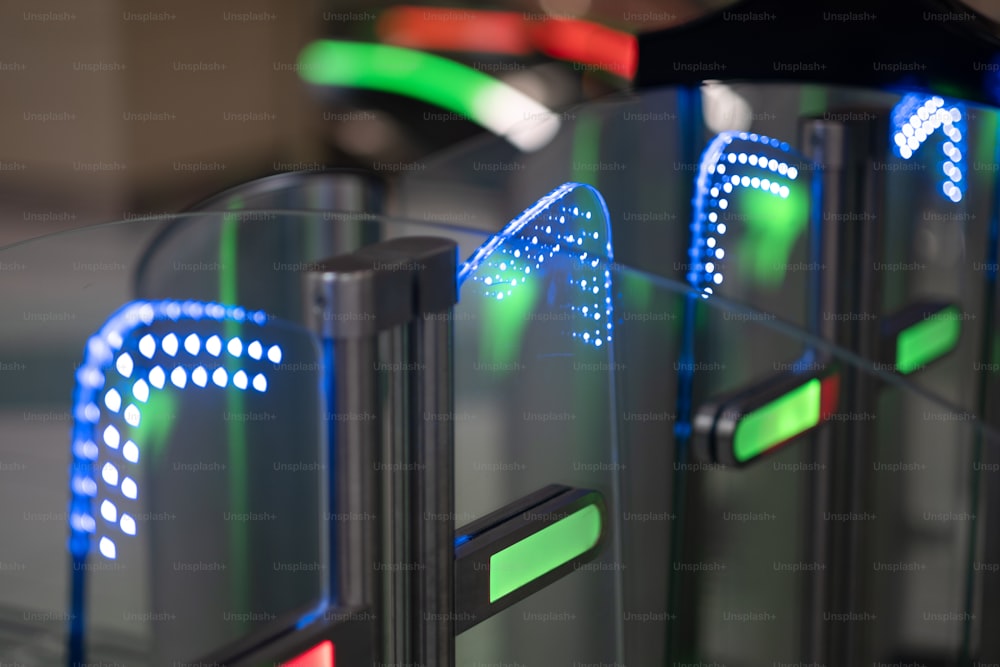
x=510, y=554
x=739, y=427
x=559, y=543
x=928, y=338
x=777, y=421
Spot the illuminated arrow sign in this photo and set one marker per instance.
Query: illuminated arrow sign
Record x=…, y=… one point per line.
x=124, y=364
x=733, y=160
x=915, y=119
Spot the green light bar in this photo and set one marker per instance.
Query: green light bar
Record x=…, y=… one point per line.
x=481, y=98
x=927, y=340
x=777, y=421
x=556, y=544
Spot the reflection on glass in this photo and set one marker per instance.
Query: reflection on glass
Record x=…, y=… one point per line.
x=229, y=516
x=557, y=228
x=918, y=117
x=534, y=392
x=495, y=105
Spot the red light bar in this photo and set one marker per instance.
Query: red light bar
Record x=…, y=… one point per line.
x=829, y=396
x=320, y=655
x=510, y=33
x=439, y=29
x=589, y=44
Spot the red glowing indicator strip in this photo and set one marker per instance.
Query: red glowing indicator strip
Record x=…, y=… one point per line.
x=510, y=33
x=437, y=29
x=320, y=655
x=589, y=44
x=829, y=395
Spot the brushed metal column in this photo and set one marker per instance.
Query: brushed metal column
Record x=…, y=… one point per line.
x=849, y=246
x=428, y=483
x=385, y=316
x=348, y=302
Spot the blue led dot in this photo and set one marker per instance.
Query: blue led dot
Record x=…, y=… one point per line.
x=132, y=415
x=179, y=377
x=194, y=310
x=107, y=548
x=169, y=344
x=213, y=346
x=129, y=488
x=240, y=379
x=83, y=522
x=140, y=390
x=109, y=473
x=147, y=346
x=86, y=449
x=146, y=313
x=113, y=400
x=124, y=365
x=85, y=486
x=109, y=512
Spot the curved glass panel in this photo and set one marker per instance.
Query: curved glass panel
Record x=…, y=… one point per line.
x=534, y=385
x=198, y=526
x=198, y=467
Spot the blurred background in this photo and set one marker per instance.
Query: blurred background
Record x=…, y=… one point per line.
x=117, y=109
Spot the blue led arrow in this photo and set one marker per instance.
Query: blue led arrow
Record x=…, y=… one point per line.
x=918, y=117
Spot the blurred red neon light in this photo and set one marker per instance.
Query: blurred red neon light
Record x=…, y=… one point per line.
x=510, y=33
x=320, y=655
x=439, y=29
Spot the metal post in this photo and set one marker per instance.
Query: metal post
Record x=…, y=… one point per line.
x=845, y=152
x=384, y=314
x=430, y=486
x=433, y=429
x=348, y=301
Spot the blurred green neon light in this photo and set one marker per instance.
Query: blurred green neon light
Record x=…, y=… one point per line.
x=774, y=423
x=774, y=225
x=540, y=553
x=236, y=430
x=927, y=340
x=498, y=107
